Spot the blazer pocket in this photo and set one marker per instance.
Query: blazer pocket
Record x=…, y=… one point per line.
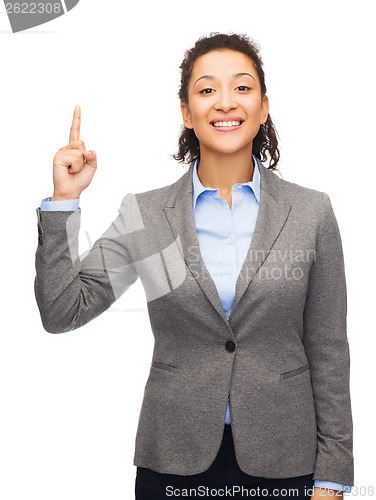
x=164, y=366
x=292, y=373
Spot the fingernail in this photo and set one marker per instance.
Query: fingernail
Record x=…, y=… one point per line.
x=89, y=153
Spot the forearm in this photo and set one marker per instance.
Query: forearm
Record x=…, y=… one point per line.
x=71, y=292
x=67, y=296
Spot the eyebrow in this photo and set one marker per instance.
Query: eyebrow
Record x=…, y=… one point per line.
x=211, y=77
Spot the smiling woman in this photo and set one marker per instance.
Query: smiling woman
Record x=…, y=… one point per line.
x=249, y=380
x=211, y=69
x=224, y=96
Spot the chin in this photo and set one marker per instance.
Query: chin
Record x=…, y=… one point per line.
x=226, y=149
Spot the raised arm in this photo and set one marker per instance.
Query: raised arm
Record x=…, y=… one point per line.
x=70, y=293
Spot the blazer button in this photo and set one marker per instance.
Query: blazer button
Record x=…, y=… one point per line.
x=230, y=346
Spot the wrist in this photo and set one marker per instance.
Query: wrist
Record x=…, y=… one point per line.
x=57, y=197
x=319, y=493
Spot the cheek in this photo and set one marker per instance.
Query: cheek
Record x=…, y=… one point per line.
x=199, y=111
x=252, y=108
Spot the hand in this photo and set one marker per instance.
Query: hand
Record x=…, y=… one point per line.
x=319, y=493
x=74, y=166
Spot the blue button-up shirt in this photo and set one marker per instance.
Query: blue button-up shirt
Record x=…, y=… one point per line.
x=225, y=234
x=224, y=237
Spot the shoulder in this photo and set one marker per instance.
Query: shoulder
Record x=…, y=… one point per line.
x=155, y=199
x=296, y=192
x=301, y=198
x=151, y=204
x=310, y=207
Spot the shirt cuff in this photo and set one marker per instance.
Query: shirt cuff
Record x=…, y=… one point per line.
x=64, y=205
x=332, y=486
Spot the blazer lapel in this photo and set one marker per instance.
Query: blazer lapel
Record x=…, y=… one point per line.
x=272, y=215
x=273, y=211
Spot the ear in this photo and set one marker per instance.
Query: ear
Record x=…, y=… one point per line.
x=187, y=119
x=264, y=109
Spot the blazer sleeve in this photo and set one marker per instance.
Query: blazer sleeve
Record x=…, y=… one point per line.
x=70, y=292
x=327, y=350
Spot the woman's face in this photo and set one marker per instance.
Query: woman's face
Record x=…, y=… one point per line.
x=224, y=86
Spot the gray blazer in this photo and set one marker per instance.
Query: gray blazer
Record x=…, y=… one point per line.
x=282, y=358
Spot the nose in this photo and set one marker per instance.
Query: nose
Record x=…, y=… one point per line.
x=225, y=101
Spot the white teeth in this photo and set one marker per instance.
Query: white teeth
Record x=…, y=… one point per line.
x=226, y=124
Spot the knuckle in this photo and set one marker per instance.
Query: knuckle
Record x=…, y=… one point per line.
x=78, y=144
x=76, y=153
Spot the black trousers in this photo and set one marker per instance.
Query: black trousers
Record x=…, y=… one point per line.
x=223, y=479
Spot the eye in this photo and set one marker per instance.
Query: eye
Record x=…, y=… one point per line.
x=243, y=87
x=204, y=91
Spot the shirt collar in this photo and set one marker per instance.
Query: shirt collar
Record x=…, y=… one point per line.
x=254, y=184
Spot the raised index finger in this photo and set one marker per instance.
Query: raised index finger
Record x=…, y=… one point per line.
x=76, y=125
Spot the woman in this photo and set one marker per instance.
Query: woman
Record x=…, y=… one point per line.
x=249, y=383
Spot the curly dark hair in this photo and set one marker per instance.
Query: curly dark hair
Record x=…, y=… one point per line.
x=266, y=138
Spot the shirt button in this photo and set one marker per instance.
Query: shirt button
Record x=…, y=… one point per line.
x=229, y=276
x=230, y=346
x=240, y=186
x=228, y=240
x=237, y=202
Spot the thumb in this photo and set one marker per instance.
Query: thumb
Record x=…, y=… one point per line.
x=91, y=158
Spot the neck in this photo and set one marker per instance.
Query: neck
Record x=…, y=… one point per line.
x=222, y=171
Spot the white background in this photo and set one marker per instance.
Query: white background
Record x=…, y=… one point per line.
x=70, y=403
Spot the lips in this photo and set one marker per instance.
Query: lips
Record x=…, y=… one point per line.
x=228, y=125
x=232, y=118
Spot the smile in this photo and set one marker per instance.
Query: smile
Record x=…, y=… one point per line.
x=227, y=126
